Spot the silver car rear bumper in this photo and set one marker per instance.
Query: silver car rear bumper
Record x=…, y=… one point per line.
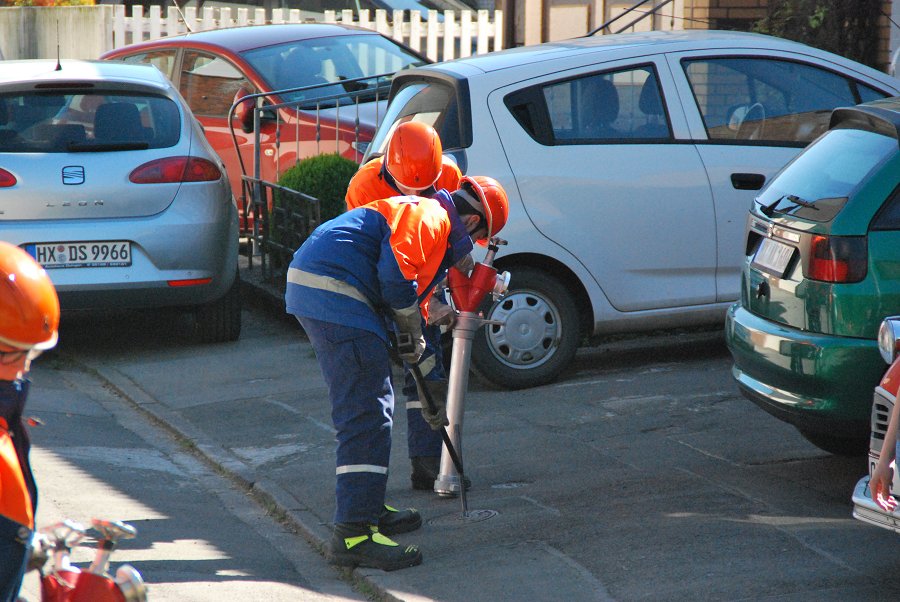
x=866, y=510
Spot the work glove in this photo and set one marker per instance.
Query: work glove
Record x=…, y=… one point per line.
x=410, y=341
x=466, y=264
x=40, y=546
x=440, y=314
x=436, y=416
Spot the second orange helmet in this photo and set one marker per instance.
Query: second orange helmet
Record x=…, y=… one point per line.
x=413, y=156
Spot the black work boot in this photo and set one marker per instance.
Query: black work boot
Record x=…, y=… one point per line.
x=425, y=470
x=358, y=544
x=393, y=521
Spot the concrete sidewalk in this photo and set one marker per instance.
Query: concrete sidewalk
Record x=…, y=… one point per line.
x=275, y=437
x=642, y=473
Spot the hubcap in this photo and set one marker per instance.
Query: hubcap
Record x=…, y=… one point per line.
x=531, y=333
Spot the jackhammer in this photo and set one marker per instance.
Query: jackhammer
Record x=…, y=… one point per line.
x=467, y=293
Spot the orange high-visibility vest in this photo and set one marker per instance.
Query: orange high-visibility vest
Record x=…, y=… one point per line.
x=368, y=184
x=15, y=499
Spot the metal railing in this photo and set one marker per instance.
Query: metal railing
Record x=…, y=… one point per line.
x=275, y=219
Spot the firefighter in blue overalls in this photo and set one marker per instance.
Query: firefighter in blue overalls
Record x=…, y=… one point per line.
x=29, y=318
x=413, y=163
x=357, y=276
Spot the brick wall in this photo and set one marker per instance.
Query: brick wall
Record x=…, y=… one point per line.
x=740, y=15
x=884, y=36
x=725, y=14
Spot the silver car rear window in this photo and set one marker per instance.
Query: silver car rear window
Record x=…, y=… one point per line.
x=433, y=103
x=64, y=121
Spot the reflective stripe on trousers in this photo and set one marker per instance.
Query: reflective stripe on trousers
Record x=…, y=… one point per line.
x=357, y=370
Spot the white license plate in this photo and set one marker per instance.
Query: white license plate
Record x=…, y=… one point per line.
x=773, y=257
x=92, y=254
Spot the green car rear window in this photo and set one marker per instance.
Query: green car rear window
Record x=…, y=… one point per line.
x=817, y=184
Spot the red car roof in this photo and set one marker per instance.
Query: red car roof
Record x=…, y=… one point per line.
x=239, y=39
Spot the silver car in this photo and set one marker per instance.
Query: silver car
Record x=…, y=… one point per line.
x=107, y=180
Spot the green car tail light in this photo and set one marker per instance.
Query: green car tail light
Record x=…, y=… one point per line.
x=837, y=259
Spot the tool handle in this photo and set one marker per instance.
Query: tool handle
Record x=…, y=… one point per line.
x=451, y=450
x=405, y=344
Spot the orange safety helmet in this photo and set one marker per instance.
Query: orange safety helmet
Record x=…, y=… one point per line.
x=414, y=155
x=29, y=306
x=494, y=202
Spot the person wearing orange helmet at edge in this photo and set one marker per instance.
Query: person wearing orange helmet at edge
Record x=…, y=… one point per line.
x=414, y=164
x=29, y=319
x=357, y=278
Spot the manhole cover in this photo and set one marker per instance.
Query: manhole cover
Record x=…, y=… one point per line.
x=511, y=485
x=458, y=518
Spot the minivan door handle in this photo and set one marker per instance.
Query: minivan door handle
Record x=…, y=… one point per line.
x=748, y=181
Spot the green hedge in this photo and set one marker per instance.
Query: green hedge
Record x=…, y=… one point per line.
x=325, y=177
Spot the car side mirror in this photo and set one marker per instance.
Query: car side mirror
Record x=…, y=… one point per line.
x=243, y=111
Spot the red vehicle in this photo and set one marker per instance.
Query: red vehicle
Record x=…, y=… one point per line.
x=865, y=508
x=322, y=82
x=61, y=581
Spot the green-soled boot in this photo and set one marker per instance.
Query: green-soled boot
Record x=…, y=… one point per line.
x=393, y=521
x=355, y=544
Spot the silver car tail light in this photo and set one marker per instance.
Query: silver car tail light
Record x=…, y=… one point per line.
x=173, y=170
x=7, y=179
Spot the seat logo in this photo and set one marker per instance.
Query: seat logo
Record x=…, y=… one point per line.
x=73, y=175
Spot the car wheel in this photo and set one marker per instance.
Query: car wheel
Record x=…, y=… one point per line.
x=839, y=446
x=540, y=335
x=220, y=321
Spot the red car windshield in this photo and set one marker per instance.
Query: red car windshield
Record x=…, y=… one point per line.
x=324, y=61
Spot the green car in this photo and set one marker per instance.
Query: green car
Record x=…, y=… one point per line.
x=822, y=270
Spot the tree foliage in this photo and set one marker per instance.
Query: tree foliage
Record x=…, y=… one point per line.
x=844, y=27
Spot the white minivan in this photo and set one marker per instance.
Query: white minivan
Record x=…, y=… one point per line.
x=630, y=161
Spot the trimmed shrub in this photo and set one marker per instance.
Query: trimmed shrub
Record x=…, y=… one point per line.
x=325, y=177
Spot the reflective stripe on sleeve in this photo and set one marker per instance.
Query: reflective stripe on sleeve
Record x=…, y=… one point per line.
x=413, y=404
x=428, y=364
x=326, y=283
x=348, y=468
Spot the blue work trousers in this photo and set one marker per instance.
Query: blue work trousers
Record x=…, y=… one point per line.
x=15, y=550
x=357, y=369
x=421, y=439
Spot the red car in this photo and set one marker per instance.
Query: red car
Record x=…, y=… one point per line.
x=213, y=69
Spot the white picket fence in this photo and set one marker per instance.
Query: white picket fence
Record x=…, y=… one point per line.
x=456, y=35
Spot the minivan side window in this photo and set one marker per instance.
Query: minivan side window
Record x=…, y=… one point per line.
x=762, y=100
x=614, y=106
x=209, y=84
